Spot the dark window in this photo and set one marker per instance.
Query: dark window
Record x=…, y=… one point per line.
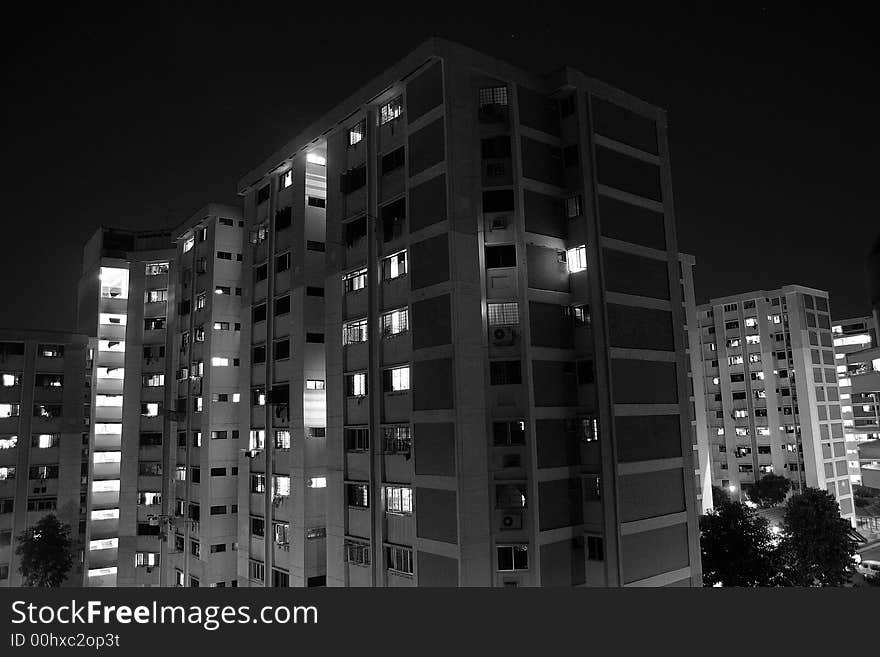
x=393, y=220
x=282, y=262
x=314, y=291
x=505, y=372
x=316, y=202
x=353, y=179
x=314, y=246
x=585, y=371
x=263, y=194
x=259, y=313
x=495, y=147
x=393, y=160
x=566, y=105
x=259, y=354
x=282, y=305
x=500, y=200
x=283, y=218
x=317, y=338
x=355, y=231
x=500, y=256
x=281, y=349
x=261, y=272
x=570, y=156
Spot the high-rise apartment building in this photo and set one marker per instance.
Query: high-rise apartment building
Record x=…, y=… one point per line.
x=489, y=258
x=283, y=468
x=203, y=373
x=860, y=410
x=771, y=391
x=124, y=304
x=44, y=441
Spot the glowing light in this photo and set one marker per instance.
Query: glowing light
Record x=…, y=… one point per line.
x=102, y=572
x=314, y=158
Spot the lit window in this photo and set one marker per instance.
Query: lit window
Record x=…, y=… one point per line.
x=6, y=473
x=753, y=339
x=493, y=96
x=114, y=283
x=356, y=384
x=317, y=482
x=155, y=296
x=8, y=442
x=280, y=486
x=751, y=322
x=111, y=319
x=576, y=259
x=282, y=439
x=396, y=439
x=390, y=110
x=720, y=431
x=734, y=360
x=188, y=244
x=314, y=384
x=398, y=499
x=219, y=361
x=314, y=158
x=393, y=266
x=156, y=268
x=396, y=379
x=861, y=339
x=257, y=439
x=356, y=280
x=355, y=331
x=10, y=410
x=399, y=559
x=356, y=133
x=505, y=314
x=154, y=380
x=286, y=179
x=395, y=322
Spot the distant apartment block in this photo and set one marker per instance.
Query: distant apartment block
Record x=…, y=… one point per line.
x=771, y=391
x=124, y=301
x=44, y=446
x=853, y=340
x=203, y=374
x=475, y=269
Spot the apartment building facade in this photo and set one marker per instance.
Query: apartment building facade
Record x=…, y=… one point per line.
x=853, y=339
x=204, y=371
x=283, y=470
x=124, y=302
x=771, y=391
x=503, y=328
x=44, y=447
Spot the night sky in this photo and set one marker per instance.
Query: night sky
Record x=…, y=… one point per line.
x=137, y=120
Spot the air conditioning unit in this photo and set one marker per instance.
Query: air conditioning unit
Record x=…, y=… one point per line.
x=503, y=336
x=511, y=521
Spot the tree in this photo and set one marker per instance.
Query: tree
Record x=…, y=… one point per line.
x=719, y=496
x=737, y=546
x=44, y=552
x=817, y=545
x=769, y=490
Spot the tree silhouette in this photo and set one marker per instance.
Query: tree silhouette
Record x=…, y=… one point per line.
x=769, y=490
x=738, y=548
x=817, y=545
x=44, y=552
